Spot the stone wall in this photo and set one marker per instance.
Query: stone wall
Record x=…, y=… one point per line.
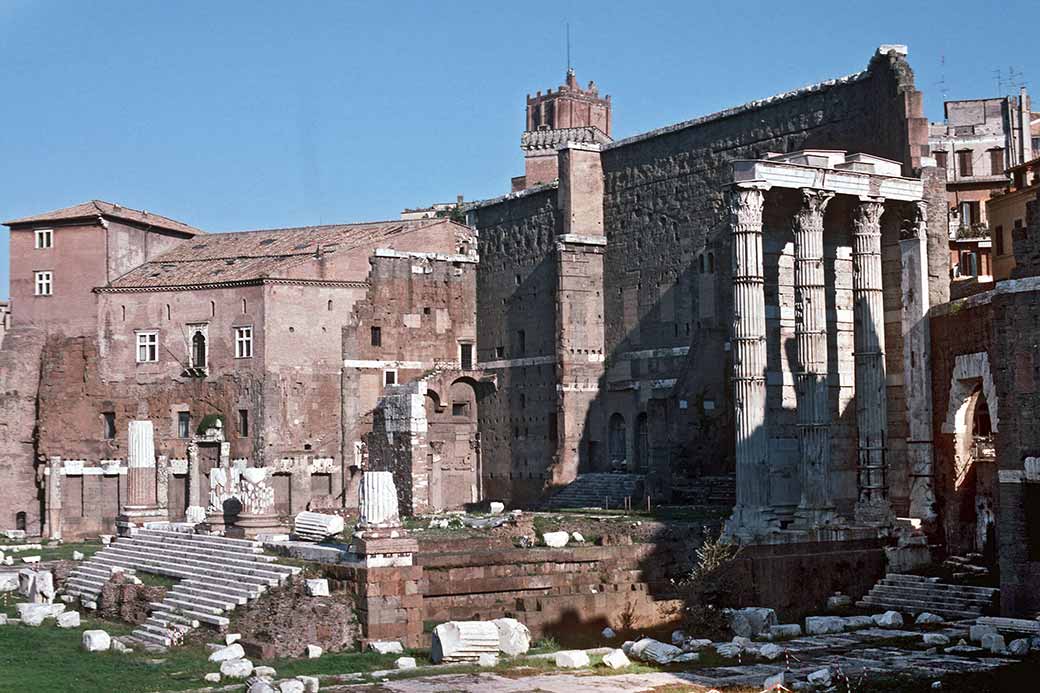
x=666, y=271
x=20, y=360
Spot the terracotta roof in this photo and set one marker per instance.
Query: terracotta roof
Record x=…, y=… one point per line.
x=242, y=256
x=107, y=209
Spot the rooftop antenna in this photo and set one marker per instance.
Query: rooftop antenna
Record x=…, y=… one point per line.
x=569, y=68
x=942, y=76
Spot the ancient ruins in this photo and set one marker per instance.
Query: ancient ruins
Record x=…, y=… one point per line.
x=726, y=348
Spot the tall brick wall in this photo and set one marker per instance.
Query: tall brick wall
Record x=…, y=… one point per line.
x=515, y=292
x=20, y=360
x=666, y=320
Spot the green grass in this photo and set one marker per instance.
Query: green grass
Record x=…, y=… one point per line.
x=49, y=658
x=62, y=552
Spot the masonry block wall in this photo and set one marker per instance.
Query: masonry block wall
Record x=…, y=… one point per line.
x=516, y=340
x=666, y=319
x=20, y=502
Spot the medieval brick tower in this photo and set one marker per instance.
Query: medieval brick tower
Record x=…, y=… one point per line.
x=569, y=115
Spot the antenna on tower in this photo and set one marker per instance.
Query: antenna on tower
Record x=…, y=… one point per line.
x=942, y=76
x=569, y=68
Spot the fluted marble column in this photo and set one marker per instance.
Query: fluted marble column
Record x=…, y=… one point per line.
x=377, y=503
x=814, y=438
x=871, y=403
x=141, y=465
x=752, y=515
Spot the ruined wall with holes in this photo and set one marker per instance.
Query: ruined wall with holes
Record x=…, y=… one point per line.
x=666, y=284
x=416, y=326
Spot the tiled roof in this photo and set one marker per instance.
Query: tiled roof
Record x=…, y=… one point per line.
x=240, y=256
x=100, y=207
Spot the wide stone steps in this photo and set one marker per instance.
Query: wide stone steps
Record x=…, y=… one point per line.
x=215, y=575
x=598, y=490
x=914, y=594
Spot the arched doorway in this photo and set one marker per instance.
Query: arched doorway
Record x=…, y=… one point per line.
x=453, y=447
x=617, y=444
x=970, y=477
x=642, y=443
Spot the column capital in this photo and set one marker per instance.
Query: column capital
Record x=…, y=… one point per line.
x=815, y=199
x=866, y=215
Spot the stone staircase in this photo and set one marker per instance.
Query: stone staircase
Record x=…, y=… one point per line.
x=600, y=490
x=215, y=575
x=913, y=594
x=720, y=491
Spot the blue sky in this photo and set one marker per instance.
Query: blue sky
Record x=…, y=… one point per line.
x=237, y=115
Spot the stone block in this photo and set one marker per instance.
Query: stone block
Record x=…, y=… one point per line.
x=556, y=540
x=821, y=678
x=497, y=508
x=463, y=641
x=889, y=619
x=211, y=678
x=823, y=625
x=68, y=619
x=608, y=633
x=291, y=686
x=838, y=601
x=260, y=685
x=310, y=683
x=313, y=651
x=616, y=659
x=858, y=622
x=978, y=631
x=236, y=668
x=514, y=638
x=385, y=647
x=318, y=588
x=994, y=642
x=264, y=671
x=935, y=640
x=77, y=555
x=770, y=651
x=782, y=678
x=572, y=659
x=405, y=663
x=926, y=619
x=1019, y=647
x=232, y=651
x=8, y=582
x=487, y=659
x=650, y=650
x=751, y=621
x=729, y=650
x=96, y=641
x=310, y=526
x=232, y=638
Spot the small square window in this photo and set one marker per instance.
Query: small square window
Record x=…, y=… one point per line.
x=109, y=420
x=243, y=423
x=500, y=352
x=377, y=336
x=147, y=347
x=44, y=238
x=44, y=283
x=460, y=409
x=183, y=424
x=389, y=377
x=243, y=342
x=466, y=356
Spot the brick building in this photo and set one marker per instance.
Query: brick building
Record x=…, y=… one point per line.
x=134, y=316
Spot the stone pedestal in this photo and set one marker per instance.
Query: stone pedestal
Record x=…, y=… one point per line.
x=257, y=498
x=814, y=440
x=141, y=502
x=390, y=605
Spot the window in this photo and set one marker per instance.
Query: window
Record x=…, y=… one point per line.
x=996, y=161
x=500, y=352
x=243, y=342
x=466, y=356
x=44, y=283
x=19, y=521
x=44, y=238
x=108, y=418
x=998, y=239
x=969, y=214
x=964, y=163
x=183, y=424
x=243, y=422
x=521, y=342
x=460, y=408
x=389, y=377
x=377, y=336
x=147, y=347
x=941, y=159
x=198, y=350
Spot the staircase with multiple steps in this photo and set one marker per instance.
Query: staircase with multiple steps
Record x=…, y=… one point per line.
x=215, y=575
x=914, y=594
x=600, y=490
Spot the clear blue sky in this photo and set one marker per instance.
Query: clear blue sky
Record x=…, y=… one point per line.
x=250, y=114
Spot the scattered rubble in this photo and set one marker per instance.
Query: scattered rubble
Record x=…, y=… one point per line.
x=616, y=659
x=514, y=638
x=572, y=659
x=556, y=540
x=96, y=641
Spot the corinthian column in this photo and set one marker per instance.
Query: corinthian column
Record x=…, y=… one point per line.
x=871, y=407
x=814, y=439
x=752, y=515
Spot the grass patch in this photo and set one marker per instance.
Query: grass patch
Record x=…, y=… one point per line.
x=153, y=580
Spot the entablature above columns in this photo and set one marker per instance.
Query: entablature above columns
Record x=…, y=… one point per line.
x=860, y=175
